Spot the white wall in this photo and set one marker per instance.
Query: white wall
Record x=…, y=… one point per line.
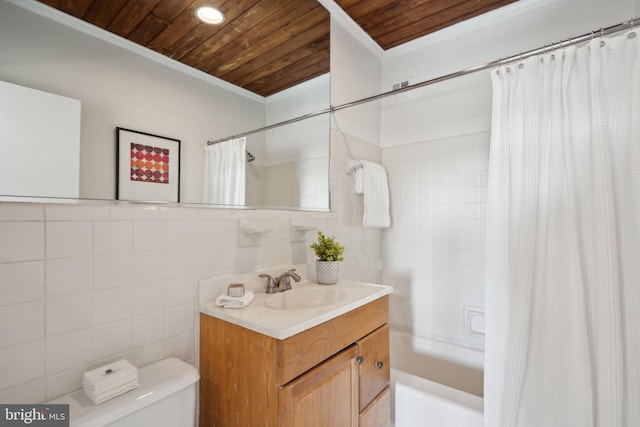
x=355, y=73
x=436, y=142
x=463, y=105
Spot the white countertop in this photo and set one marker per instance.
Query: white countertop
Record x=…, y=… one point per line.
x=281, y=324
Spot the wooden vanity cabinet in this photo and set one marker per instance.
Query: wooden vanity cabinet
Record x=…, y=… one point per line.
x=324, y=376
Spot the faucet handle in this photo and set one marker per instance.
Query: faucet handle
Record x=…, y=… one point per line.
x=271, y=282
x=294, y=275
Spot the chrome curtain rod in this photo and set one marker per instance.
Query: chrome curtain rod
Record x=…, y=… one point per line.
x=574, y=40
x=627, y=25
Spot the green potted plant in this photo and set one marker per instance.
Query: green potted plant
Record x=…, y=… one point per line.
x=329, y=254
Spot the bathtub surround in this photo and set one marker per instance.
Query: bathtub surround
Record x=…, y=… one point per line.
x=434, y=256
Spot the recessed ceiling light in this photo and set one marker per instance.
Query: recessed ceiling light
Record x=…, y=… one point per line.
x=210, y=15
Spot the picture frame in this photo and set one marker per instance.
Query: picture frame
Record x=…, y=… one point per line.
x=147, y=167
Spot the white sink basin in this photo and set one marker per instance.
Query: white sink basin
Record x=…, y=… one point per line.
x=287, y=313
x=305, y=298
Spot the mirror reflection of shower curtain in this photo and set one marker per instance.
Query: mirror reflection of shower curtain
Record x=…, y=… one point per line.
x=224, y=172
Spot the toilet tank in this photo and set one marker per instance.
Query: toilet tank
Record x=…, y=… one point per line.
x=166, y=397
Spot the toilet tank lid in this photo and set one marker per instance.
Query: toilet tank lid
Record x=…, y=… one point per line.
x=157, y=381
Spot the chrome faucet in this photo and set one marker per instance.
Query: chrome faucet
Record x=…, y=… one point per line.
x=282, y=282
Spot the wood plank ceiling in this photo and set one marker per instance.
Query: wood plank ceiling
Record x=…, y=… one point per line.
x=265, y=46
x=394, y=22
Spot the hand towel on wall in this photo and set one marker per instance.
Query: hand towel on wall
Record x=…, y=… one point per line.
x=371, y=181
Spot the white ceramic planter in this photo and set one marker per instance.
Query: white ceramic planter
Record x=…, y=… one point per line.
x=327, y=272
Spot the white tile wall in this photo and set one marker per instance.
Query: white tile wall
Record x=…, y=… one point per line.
x=149, y=235
x=22, y=363
x=180, y=291
x=112, y=339
x=30, y=317
x=434, y=253
x=149, y=328
x=150, y=353
x=150, y=297
x=33, y=391
x=69, y=313
x=180, y=320
x=21, y=282
x=112, y=237
x=112, y=271
x=69, y=239
x=69, y=276
x=21, y=241
x=112, y=304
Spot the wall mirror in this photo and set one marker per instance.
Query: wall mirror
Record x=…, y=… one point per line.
x=122, y=85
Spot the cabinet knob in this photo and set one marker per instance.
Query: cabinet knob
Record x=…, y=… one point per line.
x=379, y=364
x=360, y=360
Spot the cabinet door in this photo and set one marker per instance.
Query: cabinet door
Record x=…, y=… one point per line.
x=373, y=364
x=327, y=395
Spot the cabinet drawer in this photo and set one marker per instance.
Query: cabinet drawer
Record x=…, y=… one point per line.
x=373, y=364
x=378, y=413
x=303, y=351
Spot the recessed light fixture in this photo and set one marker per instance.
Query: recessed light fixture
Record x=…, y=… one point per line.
x=210, y=15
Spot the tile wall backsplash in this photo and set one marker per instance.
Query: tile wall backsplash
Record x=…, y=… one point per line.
x=82, y=285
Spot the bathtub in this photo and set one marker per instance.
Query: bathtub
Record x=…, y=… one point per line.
x=418, y=401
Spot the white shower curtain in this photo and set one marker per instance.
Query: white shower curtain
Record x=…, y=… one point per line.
x=224, y=172
x=563, y=239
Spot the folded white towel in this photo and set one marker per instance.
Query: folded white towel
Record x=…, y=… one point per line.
x=371, y=180
x=226, y=301
x=110, y=380
x=98, y=397
x=107, y=384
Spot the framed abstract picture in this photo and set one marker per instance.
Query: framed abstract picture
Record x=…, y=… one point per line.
x=147, y=167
